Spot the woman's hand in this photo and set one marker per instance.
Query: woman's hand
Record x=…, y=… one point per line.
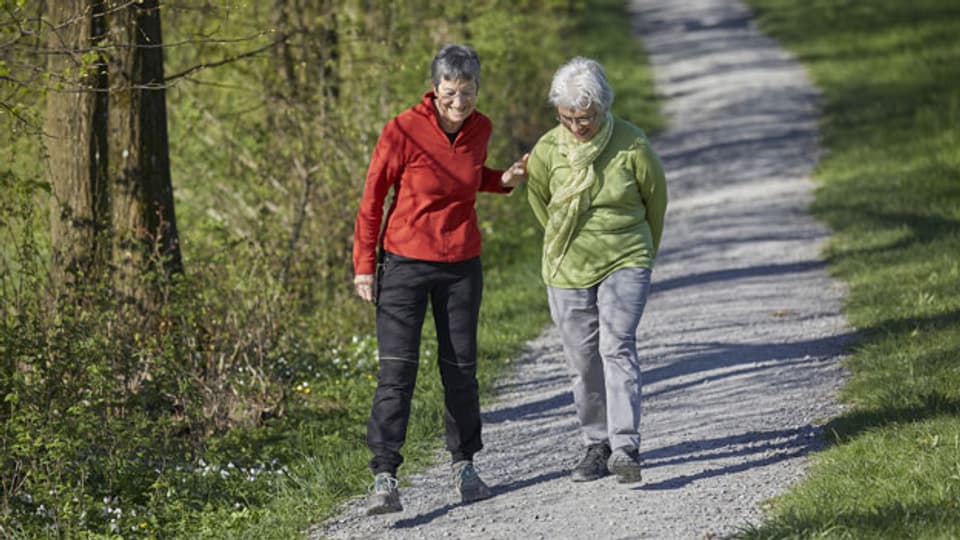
x=516, y=174
x=363, y=284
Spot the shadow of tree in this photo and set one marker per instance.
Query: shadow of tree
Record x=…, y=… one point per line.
x=851, y=424
x=500, y=489
x=527, y=411
x=767, y=448
x=732, y=274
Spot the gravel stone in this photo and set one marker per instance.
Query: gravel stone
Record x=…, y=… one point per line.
x=741, y=342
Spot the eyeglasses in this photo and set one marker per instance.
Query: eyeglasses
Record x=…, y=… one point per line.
x=450, y=96
x=581, y=121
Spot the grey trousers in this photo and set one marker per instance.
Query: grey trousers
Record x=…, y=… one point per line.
x=599, y=330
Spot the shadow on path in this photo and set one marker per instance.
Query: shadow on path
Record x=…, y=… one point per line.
x=730, y=274
x=766, y=447
x=756, y=358
x=500, y=489
x=531, y=410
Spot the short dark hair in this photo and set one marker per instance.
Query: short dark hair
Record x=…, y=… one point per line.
x=455, y=62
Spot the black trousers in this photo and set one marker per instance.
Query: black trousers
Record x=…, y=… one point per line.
x=454, y=291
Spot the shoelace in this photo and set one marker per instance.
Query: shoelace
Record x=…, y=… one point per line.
x=466, y=474
x=384, y=484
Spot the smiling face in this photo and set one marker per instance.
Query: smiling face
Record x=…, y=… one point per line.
x=582, y=123
x=456, y=99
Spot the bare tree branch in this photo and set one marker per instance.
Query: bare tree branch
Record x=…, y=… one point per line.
x=223, y=61
x=15, y=114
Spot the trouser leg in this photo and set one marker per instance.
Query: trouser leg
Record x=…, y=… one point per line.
x=401, y=307
x=574, y=311
x=621, y=298
x=456, y=311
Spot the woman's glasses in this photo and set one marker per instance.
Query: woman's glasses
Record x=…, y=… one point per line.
x=448, y=97
x=581, y=121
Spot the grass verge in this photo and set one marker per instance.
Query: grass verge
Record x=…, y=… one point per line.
x=889, y=187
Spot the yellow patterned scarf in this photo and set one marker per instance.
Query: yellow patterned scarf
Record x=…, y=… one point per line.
x=573, y=196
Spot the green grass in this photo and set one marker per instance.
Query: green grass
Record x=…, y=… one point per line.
x=889, y=187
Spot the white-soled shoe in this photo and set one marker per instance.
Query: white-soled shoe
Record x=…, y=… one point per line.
x=384, y=496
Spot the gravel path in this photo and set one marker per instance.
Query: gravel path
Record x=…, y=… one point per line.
x=741, y=341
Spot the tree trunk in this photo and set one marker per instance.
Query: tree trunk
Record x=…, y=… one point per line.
x=108, y=155
x=75, y=122
x=145, y=241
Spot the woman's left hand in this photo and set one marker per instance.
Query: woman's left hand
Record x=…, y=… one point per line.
x=516, y=174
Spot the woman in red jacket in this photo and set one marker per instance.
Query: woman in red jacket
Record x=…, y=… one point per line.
x=433, y=157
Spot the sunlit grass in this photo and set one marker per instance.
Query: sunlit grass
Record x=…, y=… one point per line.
x=889, y=187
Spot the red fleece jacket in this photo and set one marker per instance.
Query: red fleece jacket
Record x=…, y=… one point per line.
x=435, y=184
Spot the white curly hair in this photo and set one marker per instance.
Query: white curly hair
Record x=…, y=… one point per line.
x=580, y=83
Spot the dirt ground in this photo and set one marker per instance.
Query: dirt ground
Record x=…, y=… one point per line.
x=740, y=344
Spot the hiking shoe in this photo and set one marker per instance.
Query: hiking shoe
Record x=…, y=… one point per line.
x=625, y=463
x=468, y=483
x=384, y=496
x=593, y=465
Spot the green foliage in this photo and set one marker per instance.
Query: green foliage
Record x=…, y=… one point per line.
x=889, y=189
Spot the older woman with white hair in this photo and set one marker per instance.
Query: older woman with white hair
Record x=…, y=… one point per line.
x=599, y=192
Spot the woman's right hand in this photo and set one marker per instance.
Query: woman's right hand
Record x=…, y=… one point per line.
x=363, y=284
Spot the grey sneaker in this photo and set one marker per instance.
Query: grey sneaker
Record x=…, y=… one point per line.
x=625, y=463
x=593, y=466
x=468, y=483
x=384, y=496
